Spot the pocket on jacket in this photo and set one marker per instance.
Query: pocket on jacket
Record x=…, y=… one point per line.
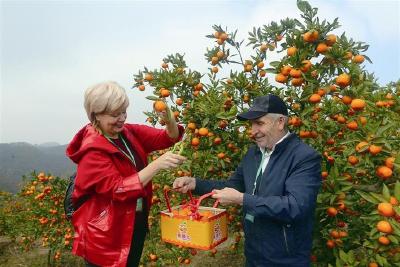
x=101, y=221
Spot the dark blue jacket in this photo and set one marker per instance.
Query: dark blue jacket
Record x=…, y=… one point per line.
x=283, y=208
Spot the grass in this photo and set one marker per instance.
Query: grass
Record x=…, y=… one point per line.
x=11, y=255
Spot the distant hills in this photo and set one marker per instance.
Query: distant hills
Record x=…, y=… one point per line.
x=18, y=159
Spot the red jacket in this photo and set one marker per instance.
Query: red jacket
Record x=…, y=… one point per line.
x=104, y=223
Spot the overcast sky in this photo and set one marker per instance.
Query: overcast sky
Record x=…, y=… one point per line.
x=51, y=51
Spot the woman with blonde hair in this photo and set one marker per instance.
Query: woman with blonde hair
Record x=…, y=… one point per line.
x=113, y=190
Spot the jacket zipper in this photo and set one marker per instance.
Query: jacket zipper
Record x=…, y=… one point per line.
x=285, y=237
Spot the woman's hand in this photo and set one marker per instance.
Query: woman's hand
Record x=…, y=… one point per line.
x=168, y=117
x=168, y=160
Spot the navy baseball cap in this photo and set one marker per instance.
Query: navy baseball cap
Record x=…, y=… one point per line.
x=263, y=105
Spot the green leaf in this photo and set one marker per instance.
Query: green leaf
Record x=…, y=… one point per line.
x=275, y=64
x=152, y=98
x=393, y=239
x=343, y=255
x=378, y=197
x=386, y=192
x=205, y=122
x=367, y=197
x=397, y=190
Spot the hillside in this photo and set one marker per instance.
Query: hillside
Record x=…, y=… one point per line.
x=18, y=159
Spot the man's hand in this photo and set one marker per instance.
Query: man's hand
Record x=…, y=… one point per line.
x=228, y=196
x=184, y=184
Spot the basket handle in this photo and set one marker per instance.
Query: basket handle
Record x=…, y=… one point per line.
x=206, y=196
x=166, y=196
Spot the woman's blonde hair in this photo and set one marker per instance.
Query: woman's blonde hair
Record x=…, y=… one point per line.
x=106, y=97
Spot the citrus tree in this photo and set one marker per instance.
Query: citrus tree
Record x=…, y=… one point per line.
x=35, y=217
x=335, y=105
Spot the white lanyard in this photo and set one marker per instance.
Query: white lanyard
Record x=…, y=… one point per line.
x=130, y=156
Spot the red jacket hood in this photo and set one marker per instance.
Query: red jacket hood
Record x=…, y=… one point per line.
x=88, y=138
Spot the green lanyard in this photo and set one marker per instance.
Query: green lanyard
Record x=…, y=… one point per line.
x=130, y=156
x=260, y=169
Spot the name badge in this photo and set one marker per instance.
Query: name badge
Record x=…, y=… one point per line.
x=249, y=217
x=139, y=204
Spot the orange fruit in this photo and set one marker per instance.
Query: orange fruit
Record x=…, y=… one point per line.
x=179, y=101
x=348, y=55
x=280, y=78
x=263, y=47
x=221, y=155
x=295, y=73
x=343, y=80
x=195, y=141
x=389, y=162
x=291, y=51
x=220, y=54
x=322, y=48
x=248, y=67
x=260, y=65
x=153, y=257
x=386, y=209
x=331, y=211
x=363, y=120
x=214, y=69
x=341, y=119
x=357, y=104
x=384, y=227
x=384, y=240
x=304, y=134
x=286, y=70
x=305, y=65
x=203, y=131
x=164, y=92
x=314, y=98
x=148, y=77
x=330, y=39
x=352, y=125
x=159, y=106
x=141, y=87
x=330, y=244
x=384, y=172
x=191, y=126
x=223, y=36
x=297, y=81
x=358, y=59
x=343, y=234
x=334, y=234
x=321, y=91
x=198, y=87
x=353, y=160
x=346, y=100
x=373, y=264
x=311, y=36
x=217, y=140
x=373, y=149
x=394, y=201
x=164, y=65
x=214, y=60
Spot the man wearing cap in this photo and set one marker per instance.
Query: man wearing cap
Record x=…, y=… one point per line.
x=277, y=183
